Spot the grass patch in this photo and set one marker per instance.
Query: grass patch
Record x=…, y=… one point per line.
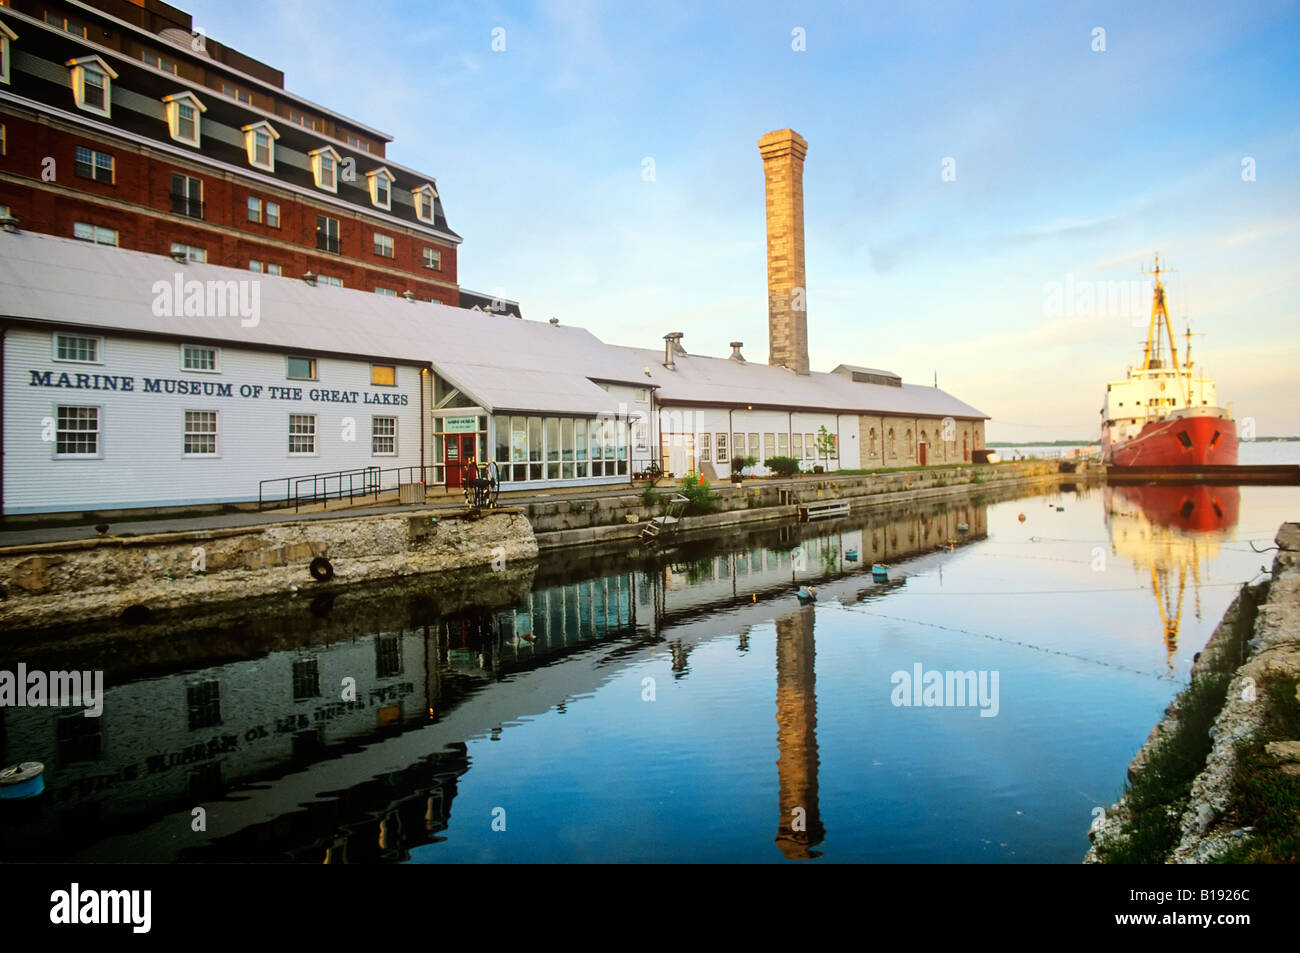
x=1157, y=799
x=1263, y=796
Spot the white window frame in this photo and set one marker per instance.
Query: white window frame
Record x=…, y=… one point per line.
x=6, y=35
x=216, y=359
x=189, y=252
x=261, y=209
x=99, y=433
x=77, y=74
x=266, y=214
x=391, y=246
x=215, y=434
x=318, y=167
x=386, y=292
x=437, y=256
x=95, y=166
x=315, y=433
x=374, y=177
x=315, y=368
x=95, y=231
x=393, y=436
x=250, y=144
x=425, y=190
x=54, y=348
x=173, y=104
x=330, y=280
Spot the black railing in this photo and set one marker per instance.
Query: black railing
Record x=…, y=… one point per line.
x=337, y=485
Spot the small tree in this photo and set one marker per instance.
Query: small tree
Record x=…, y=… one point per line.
x=826, y=443
x=699, y=495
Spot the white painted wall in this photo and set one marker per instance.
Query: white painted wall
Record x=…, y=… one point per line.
x=141, y=460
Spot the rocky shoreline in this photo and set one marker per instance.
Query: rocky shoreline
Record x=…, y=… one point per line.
x=1257, y=646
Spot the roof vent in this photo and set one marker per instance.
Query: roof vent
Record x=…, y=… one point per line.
x=673, y=349
x=735, y=351
x=309, y=278
x=555, y=322
x=409, y=295
x=8, y=223
x=179, y=256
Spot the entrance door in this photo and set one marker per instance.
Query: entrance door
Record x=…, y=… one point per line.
x=920, y=449
x=460, y=451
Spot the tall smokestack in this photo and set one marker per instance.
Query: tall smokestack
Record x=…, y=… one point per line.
x=787, y=316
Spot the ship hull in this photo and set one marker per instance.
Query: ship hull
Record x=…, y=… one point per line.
x=1179, y=441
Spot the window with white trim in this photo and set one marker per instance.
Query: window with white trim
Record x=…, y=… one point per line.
x=330, y=280
x=77, y=432
x=307, y=122
x=383, y=245
x=381, y=188
x=325, y=168
x=259, y=143
x=197, y=357
x=6, y=35
x=302, y=434
x=183, y=111
x=92, y=84
x=236, y=93
x=273, y=214
x=94, y=233
x=254, y=209
x=386, y=292
x=187, y=195
x=264, y=267
x=300, y=368
x=200, y=433
x=423, y=197
x=191, y=252
x=90, y=164
x=433, y=259
x=78, y=348
x=383, y=436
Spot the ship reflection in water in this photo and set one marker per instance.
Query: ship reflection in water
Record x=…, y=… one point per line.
x=1172, y=533
x=245, y=718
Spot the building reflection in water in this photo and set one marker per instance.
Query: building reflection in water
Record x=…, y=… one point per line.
x=242, y=713
x=1170, y=533
x=800, y=826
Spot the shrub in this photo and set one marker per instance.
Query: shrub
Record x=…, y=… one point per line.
x=700, y=496
x=782, y=466
x=737, y=464
x=651, y=497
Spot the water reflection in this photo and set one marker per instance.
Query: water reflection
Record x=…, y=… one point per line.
x=249, y=714
x=1171, y=532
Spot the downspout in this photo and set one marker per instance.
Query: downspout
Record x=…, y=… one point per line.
x=789, y=432
x=423, y=422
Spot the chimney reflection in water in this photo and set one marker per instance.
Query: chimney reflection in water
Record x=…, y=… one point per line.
x=800, y=826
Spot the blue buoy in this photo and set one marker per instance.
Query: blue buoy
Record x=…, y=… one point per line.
x=22, y=780
x=880, y=572
x=851, y=555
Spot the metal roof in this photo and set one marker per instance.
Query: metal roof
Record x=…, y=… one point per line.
x=722, y=381
x=502, y=362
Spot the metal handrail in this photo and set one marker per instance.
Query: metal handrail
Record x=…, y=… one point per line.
x=336, y=484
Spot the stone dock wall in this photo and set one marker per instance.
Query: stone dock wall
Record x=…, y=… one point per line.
x=53, y=584
x=1269, y=659
x=582, y=522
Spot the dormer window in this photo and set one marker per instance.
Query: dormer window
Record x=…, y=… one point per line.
x=424, y=204
x=183, y=111
x=92, y=84
x=259, y=141
x=6, y=35
x=325, y=167
x=381, y=188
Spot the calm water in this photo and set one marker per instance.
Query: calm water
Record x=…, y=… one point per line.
x=686, y=708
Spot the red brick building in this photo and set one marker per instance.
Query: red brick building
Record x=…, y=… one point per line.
x=120, y=124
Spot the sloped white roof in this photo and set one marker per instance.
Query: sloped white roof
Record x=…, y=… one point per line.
x=503, y=362
x=722, y=381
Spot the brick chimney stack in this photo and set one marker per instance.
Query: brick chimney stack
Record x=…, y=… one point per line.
x=787, y=316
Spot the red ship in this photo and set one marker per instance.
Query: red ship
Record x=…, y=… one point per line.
x=1162, y=415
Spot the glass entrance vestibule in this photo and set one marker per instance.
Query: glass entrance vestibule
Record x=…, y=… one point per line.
x=560, y=450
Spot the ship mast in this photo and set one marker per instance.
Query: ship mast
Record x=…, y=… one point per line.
x=1159, y=322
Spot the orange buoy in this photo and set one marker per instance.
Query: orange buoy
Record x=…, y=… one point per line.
x=1022, y=517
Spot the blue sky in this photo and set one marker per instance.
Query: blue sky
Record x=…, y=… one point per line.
x=1069, y=162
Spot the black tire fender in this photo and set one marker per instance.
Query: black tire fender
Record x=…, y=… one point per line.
x=321, y=569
